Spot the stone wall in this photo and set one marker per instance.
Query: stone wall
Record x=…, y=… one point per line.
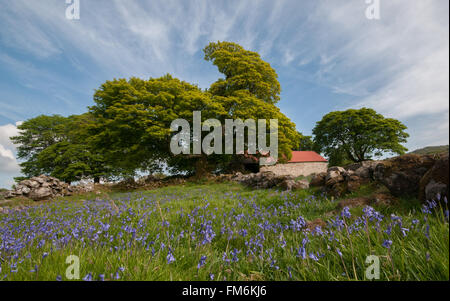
x=297, y=169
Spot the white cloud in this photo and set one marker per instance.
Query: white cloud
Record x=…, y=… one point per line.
x=9, y=166
x=398, y=65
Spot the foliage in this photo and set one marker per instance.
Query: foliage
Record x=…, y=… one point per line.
x=306, y=143
x=359, y=134
x=57, y=146
x=36, y=135
x=134, y=116
x=244, y=71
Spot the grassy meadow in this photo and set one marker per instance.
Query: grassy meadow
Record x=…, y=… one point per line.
x=222, y=232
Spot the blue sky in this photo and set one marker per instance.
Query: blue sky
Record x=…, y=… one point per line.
x=327, y=54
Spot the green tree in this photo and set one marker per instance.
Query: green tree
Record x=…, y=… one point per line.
x=358, y=135
x=243, y=70
x=306, y=143
x=37, y=134
x=58, y=146
x=133, y=120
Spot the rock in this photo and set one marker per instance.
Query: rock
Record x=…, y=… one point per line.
x=363, y=172
x=268, y=179
x=22, y=189
x=382, y=199
x=354, y=202
x=354, y=182
x=291, y=184
x=338, y=169
x=333, y=178
x=377, y=198
x=312, y=225
x=41, y=179
x=287, y=184
x=41, y=193
x=337, y=189
x=39, y=188
x=436, y=180
x=301, y=184
x=402, y=174
x=318, y=180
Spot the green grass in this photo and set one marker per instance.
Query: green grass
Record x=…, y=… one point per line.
x=143, y=225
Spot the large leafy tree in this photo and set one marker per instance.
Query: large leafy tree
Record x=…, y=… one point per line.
x=133, y=116
x=36, y=135
x=58, y=146
x=358, y=135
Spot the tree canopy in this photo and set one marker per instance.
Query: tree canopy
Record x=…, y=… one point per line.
x=243, y=70
x=57, y=146
x=359, y=135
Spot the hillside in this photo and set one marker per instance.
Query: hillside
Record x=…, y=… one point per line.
x=429, y=150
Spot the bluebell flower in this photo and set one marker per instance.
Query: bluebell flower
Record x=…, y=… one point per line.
x=313, y=257
x=346, y=212
x=234, y=255
x=387, y=244
x=170, y=258
x=88, y=277
x=201, y=262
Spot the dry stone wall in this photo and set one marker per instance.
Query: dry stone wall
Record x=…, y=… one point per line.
x=297, y=169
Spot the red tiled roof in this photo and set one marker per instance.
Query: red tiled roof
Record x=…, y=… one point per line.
x=306, y=156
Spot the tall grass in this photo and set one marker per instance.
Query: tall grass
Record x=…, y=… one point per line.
x=222, y=232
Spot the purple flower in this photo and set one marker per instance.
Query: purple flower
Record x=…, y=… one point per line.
x=170, y=258
x=88, y=277
x=339, y=252
x=225, y=257
x=313, y=257
x=387, y=244
x=201, y=262
x=346, y=212
x=301, y=253
x=234, y=255
x=211, y=276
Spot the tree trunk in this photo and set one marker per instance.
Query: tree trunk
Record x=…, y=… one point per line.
x=201, y=167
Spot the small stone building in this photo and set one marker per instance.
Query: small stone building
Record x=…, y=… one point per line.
x=302, y=163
